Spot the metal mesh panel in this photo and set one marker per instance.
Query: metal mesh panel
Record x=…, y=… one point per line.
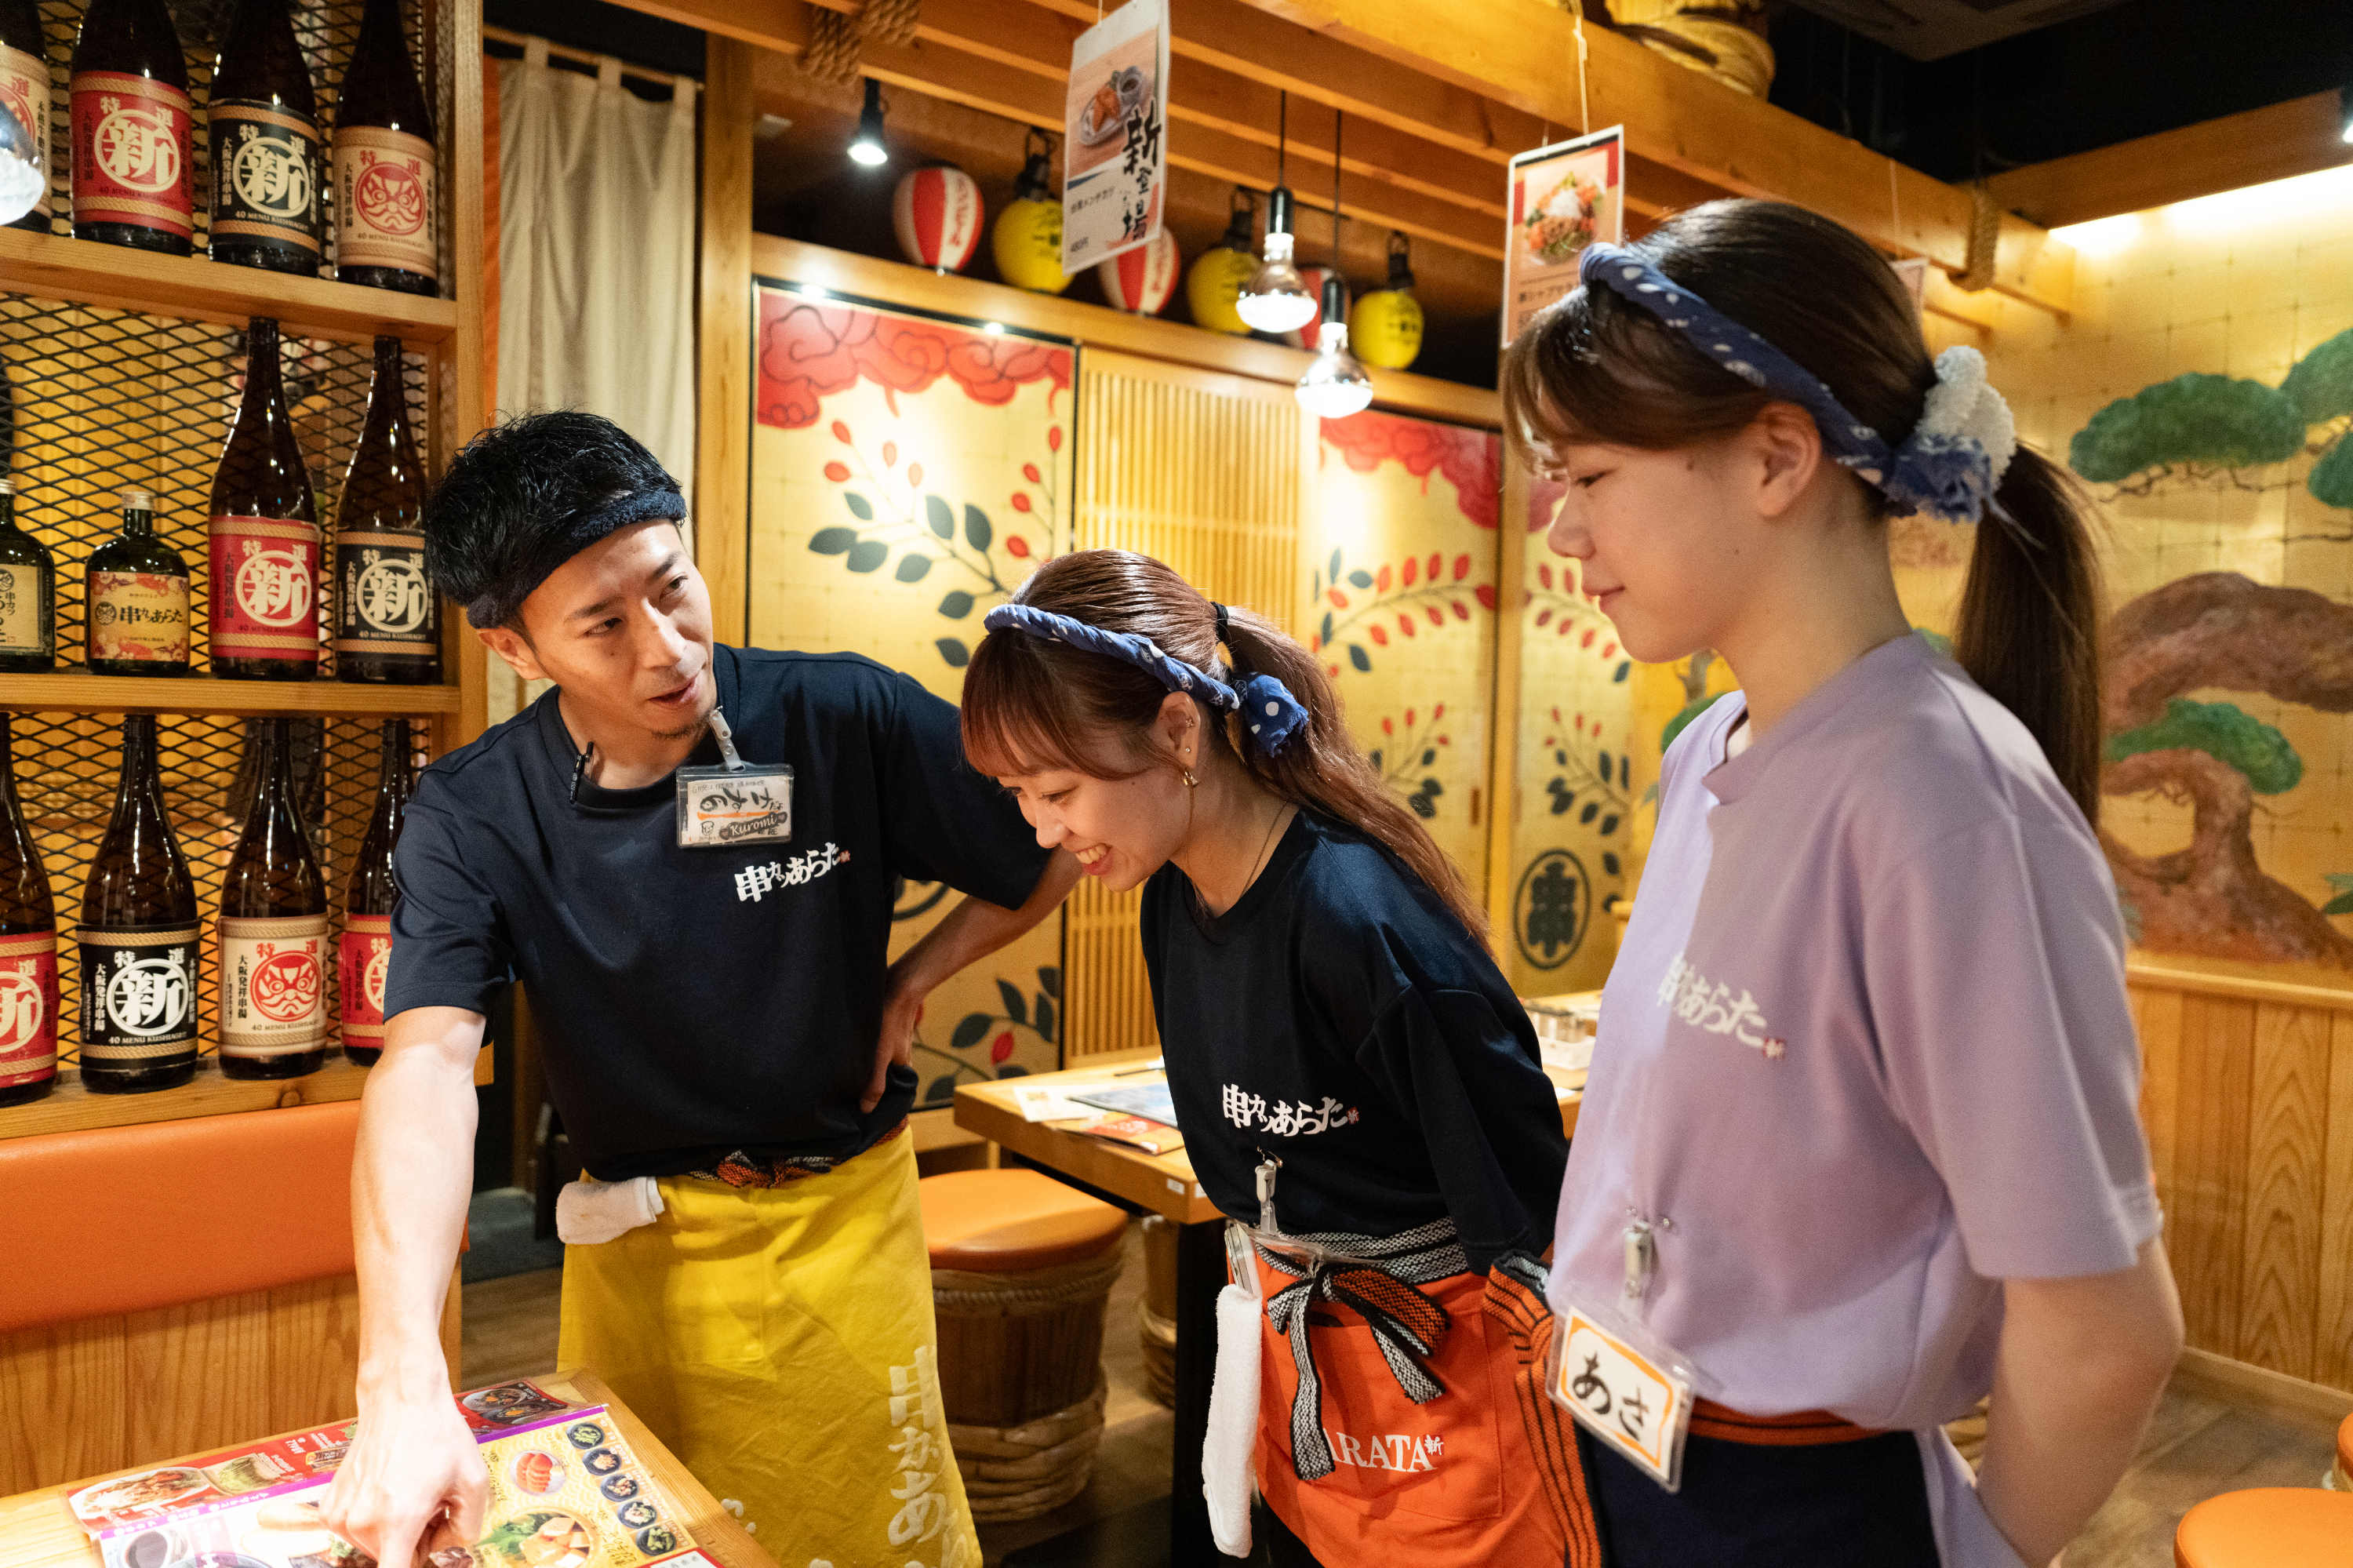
x=67, y=770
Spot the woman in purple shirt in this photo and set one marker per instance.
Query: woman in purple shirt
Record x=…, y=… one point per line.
x=1860, y=1143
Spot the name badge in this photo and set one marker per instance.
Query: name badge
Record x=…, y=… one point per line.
x=1624, y=1385
x=720, y=808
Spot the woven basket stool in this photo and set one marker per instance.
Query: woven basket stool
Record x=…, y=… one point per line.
x=1021, y=1266
x=2267, y=1527
x=1155, y=1315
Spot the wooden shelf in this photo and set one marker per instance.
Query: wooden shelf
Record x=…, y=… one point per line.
x=190, y=287
x=78, y=691
x=70, y=1108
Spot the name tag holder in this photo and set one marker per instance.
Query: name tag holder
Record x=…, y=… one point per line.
x=1621, y=1381
x=735, y=802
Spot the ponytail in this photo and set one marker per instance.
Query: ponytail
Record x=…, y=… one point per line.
x=2030, y=614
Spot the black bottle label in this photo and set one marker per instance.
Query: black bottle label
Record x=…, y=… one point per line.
x=138, y=997
x=265, y=175
x=385, y=603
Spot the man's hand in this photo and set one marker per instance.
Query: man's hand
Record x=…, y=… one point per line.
x=414, y=1476
x=902, y=1008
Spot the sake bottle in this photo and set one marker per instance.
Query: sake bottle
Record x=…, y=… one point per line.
x=264, y=609
x=273, y=930
x=29, y=950
x=28, y=591
x=25, y=89
x=133, y=161
x=135, y=599
x=388, y=626
x=387, y=214
x=366, y=953
x=268, y=209
x=138, y=938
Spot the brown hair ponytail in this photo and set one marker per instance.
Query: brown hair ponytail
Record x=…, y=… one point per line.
x=1030, y=704
x=1595, y=368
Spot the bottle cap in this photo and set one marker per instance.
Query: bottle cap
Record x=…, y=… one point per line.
x=137, y=499
x=7, y=486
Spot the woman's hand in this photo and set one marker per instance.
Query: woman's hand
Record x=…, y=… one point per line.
x=2080, y=1367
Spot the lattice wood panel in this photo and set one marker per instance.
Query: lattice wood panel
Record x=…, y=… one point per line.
x=1205, y=472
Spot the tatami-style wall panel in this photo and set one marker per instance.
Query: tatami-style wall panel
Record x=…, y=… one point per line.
x=1205, y=472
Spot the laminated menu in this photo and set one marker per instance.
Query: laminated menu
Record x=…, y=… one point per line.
x=566, y=1491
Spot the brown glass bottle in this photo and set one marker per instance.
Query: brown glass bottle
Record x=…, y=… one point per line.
x=273, y=930
x=29, y=950
x=138, y=938
x=135, y=599
x=367, y=903
x=264, y=608
x=268, y=208
x=387, y=212
x=387, y=619
x=28, y=595
x=25, y=87
x=134, y=158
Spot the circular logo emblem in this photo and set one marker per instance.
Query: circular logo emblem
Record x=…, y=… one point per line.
x=272, y=177
x=148, y=997
x=392, y=596
x=372, y=978
x=286, y=987
x=390, y=199
x=136, y=148
x=273, y=586
x=1550, y=910
x=23, y=1010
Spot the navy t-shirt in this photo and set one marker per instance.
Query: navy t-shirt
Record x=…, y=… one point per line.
x=693, y=1002
x=1339, y=1017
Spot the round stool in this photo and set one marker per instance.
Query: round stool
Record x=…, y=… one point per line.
x=1155, y=1315
x=1021, y=1266
x=2341, y=1478
x=2267, y=1527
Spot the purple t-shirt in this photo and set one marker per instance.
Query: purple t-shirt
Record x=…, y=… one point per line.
x=1866, y=1053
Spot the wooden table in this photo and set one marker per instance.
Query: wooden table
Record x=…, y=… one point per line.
x=38, y=1529
x=1163, y=1185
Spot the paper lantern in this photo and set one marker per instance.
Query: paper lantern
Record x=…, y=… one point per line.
x=936, y=212
x=1027, y=238
x=1384, y=329
x=1143, y=279
x=1217, y=278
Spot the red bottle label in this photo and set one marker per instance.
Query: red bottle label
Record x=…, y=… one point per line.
x=25, y=87
x=28, y=1009
x=274, y=984
x=265, y=588
x=366, y=960
x=132, y=161
x=384, y=209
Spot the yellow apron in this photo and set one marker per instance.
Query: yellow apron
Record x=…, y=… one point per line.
x=780, y=1340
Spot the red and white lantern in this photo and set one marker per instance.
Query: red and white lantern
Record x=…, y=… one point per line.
x=1143, y=280
x=936, y=211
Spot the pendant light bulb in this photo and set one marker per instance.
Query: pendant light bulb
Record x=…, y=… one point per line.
x=1337, y=384
x=1276, y=298
x=867, y=146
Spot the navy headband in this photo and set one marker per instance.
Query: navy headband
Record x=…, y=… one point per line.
x=1948, y=467
x=1265, y=705
x=575, y=534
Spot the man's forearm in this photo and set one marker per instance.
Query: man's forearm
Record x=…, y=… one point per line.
x=975, y=929
x=411, y=1178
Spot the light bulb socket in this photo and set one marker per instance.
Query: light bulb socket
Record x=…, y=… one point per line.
x=1278, y=210
x=868, y=146
x=1035, y=184
x=1400, y=259
x=1334, y=304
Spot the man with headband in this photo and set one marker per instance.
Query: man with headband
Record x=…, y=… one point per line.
x=688, y=852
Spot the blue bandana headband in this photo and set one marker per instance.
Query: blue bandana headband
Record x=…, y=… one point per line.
x=1950, y=466
x=1268, y=710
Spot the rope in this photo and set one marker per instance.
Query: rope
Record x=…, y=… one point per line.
x=1984, y=235
x=975, y=1295
x=836, y=39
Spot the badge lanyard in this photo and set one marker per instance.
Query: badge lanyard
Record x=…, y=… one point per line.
x=1622, y=1383
x=736, y=802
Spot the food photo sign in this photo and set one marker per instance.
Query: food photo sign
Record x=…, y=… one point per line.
x=1563, y=198
x=1114, y=152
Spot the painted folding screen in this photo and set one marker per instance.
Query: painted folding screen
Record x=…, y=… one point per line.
x=907, y=473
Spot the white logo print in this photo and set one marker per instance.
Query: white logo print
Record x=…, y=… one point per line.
x=754, y=881
x=148, y=997
x=1295, y=1119
x=1391, y=1451
x=1688, y=994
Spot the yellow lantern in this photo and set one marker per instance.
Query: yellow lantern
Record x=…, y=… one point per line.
x=1384, y=330
x=1217, y=278
x=1027, y=238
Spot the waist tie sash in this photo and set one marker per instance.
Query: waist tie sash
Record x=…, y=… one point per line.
x=1377, y=1281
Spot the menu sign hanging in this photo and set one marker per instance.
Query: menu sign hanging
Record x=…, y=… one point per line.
x=1115, y=152
x=1562, y=198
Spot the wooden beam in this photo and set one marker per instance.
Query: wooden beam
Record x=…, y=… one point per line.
x=2275, y=142
x=723, y=418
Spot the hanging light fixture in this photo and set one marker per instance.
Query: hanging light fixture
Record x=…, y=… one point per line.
x=867, y=146
x=1276, y=298
x=1336, y=383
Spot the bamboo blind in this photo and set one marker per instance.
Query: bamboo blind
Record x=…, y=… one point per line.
x=1205, y=471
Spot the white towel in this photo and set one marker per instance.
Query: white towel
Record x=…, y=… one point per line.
x=1228, y=1477
x=588, y=1211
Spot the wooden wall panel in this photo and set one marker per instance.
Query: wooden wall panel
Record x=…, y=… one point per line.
x=199, y=1374
x=2280, y=1283
x=2209, y=1192
x=2156, y=1014
x=2333, y=1341
x=63, y=1399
